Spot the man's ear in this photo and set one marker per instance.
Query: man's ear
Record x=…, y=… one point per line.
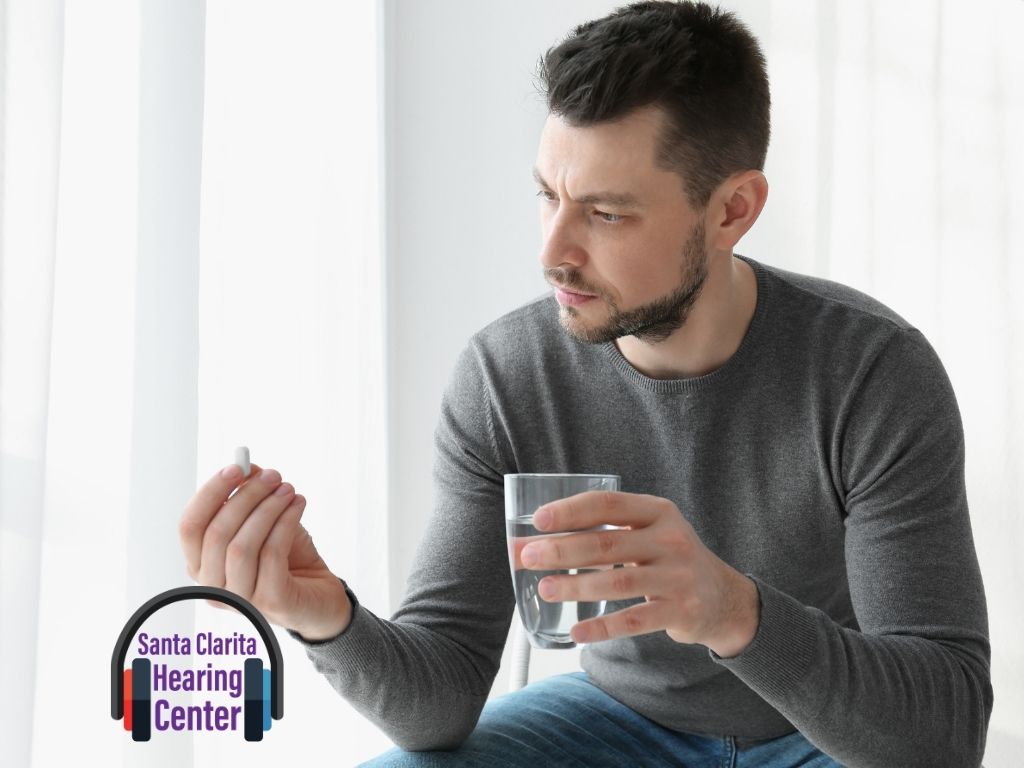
x=735, y=206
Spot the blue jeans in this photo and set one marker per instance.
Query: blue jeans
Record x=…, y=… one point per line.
x=568, y=721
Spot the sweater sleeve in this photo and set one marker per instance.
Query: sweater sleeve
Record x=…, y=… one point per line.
x=424, y=675
x=910, y=685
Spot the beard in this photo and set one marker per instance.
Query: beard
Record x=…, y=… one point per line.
x=652, y=322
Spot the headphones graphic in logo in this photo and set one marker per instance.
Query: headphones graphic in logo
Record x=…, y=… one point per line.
x=130, y=688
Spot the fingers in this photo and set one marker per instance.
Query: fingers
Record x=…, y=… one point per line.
x=606, y=584
x=272, y=581
x=256, y=497
x=635, y=620
x=201, y=508
x=242, y=554
x=222, y=606
x=579, y=550
x=223, y=533
x=593, y=508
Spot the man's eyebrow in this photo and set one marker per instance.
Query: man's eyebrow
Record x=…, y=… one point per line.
x=620, y=199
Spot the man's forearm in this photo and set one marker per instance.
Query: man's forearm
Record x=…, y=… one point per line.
x=870, y=700
x=413, y=683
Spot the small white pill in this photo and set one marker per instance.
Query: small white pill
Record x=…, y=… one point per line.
x=242, y=459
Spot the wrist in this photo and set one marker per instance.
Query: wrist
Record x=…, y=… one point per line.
x=332, y=622
x=742, y=618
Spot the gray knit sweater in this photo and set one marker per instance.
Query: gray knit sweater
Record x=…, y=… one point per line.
x=825, y=459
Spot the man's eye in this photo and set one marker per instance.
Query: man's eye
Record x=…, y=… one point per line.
x=607, y=218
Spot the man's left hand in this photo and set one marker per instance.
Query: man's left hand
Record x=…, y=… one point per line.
x=690, y=593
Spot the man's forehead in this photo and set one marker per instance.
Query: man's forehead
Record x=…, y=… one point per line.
x=609, y=163
x=617, y=197
x=616, y=147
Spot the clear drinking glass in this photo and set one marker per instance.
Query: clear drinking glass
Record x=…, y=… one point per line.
x=547, y=623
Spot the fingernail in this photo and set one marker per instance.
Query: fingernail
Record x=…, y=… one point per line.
x=231, y=472
x=546, y=589
x=542, y=518
x=283, y=490
x=529, y=555
x=270, y=476
x=580, y=634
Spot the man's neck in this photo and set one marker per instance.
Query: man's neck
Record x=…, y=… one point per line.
x=713, y=331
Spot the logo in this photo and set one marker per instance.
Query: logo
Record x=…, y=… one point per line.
x=132, y=689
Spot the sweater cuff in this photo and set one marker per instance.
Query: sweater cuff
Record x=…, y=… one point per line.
x=782, y=651
x=356, y=645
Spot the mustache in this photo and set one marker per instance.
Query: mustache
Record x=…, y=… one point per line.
x=567, y=280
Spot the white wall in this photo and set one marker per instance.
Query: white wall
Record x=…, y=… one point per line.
x=464, y=237
x=463, y=227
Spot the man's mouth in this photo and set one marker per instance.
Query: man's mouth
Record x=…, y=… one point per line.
x=569, y=290
x=571, y=297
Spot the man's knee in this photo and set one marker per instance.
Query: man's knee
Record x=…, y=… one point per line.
x=399, y=758
x=487, y=747
x=514, y=730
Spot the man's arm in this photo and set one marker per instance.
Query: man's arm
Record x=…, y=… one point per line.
x=424, y=676
x=912, y=686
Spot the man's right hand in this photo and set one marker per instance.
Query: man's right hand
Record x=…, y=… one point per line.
x=253, y=545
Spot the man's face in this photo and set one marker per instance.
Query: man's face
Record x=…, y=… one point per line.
x=617, y=227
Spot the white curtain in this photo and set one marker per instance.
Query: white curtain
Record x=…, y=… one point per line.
x=191, y=260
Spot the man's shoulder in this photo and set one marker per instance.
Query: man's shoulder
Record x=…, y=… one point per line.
x=823, y=298
x=834, y=327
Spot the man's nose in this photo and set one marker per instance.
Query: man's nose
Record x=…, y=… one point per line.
x=562, y=245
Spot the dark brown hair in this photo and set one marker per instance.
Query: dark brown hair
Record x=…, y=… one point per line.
x=700, y=65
